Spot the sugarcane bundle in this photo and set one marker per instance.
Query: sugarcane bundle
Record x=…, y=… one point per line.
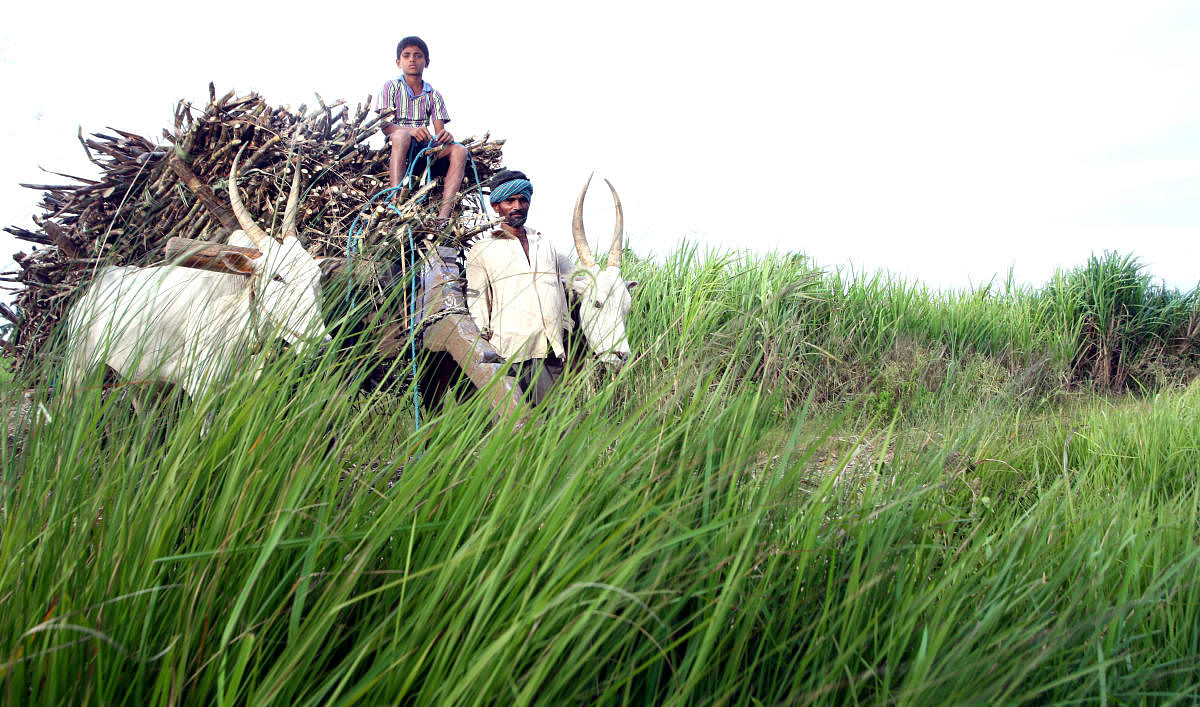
x=149, y=192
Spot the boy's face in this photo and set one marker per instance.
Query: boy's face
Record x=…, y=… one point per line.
x=412, y=61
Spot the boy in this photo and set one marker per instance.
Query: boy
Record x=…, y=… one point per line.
x=414, y=104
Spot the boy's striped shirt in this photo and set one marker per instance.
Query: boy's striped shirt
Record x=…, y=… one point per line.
x=412, y=111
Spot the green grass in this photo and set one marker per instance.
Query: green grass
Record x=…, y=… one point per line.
x=805, y=488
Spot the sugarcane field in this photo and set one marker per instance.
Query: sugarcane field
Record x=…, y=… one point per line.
x=607, y=397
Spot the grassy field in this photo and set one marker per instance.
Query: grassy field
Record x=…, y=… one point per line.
x=806, y=488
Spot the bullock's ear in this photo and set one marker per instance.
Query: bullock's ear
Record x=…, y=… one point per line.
x=211, y=256
x=238, y=263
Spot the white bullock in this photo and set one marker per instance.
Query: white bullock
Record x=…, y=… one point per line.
x=194, y=328
x=604, y=296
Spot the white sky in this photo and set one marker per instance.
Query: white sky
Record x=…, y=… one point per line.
x=941, y=140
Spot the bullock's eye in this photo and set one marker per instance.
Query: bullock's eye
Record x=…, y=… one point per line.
x=598, y=305
x=278, y=278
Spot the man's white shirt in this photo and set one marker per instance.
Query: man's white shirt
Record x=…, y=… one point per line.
x=521, y=301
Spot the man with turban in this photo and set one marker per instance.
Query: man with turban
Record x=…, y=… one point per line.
x=514, y=290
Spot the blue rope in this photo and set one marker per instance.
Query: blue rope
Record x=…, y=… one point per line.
x=355, y=235
x=478, y=185
x=356, y=231
x=412, y=322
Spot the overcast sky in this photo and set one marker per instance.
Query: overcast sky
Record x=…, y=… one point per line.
x=943, y=141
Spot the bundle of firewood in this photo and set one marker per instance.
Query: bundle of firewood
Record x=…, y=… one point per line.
x=150, y=192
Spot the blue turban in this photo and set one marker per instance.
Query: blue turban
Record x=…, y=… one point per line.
x=510, y=189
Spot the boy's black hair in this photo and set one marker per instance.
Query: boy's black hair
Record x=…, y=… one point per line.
x=506, y=176
x=413, y=41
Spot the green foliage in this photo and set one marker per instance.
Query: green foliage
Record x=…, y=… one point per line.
x=713, y=524
x=893, y=346
x=1122, y=323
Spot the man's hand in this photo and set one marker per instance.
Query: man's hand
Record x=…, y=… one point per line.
x=445, y=138
x=420, y=133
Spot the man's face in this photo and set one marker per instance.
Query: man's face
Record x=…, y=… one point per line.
x=514, y=210
x=412, y=61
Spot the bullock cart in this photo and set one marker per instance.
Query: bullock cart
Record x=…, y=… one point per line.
x=152, y=191
x=400, y=269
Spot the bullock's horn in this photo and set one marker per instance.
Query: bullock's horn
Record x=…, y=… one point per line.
x=245, y=220
x=614, y=253
x=581, y=245
x=289, y=212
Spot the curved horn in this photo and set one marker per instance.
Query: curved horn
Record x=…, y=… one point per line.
x=245, y=220
x=581, y=245
x=289, y=212
x=614, y=252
